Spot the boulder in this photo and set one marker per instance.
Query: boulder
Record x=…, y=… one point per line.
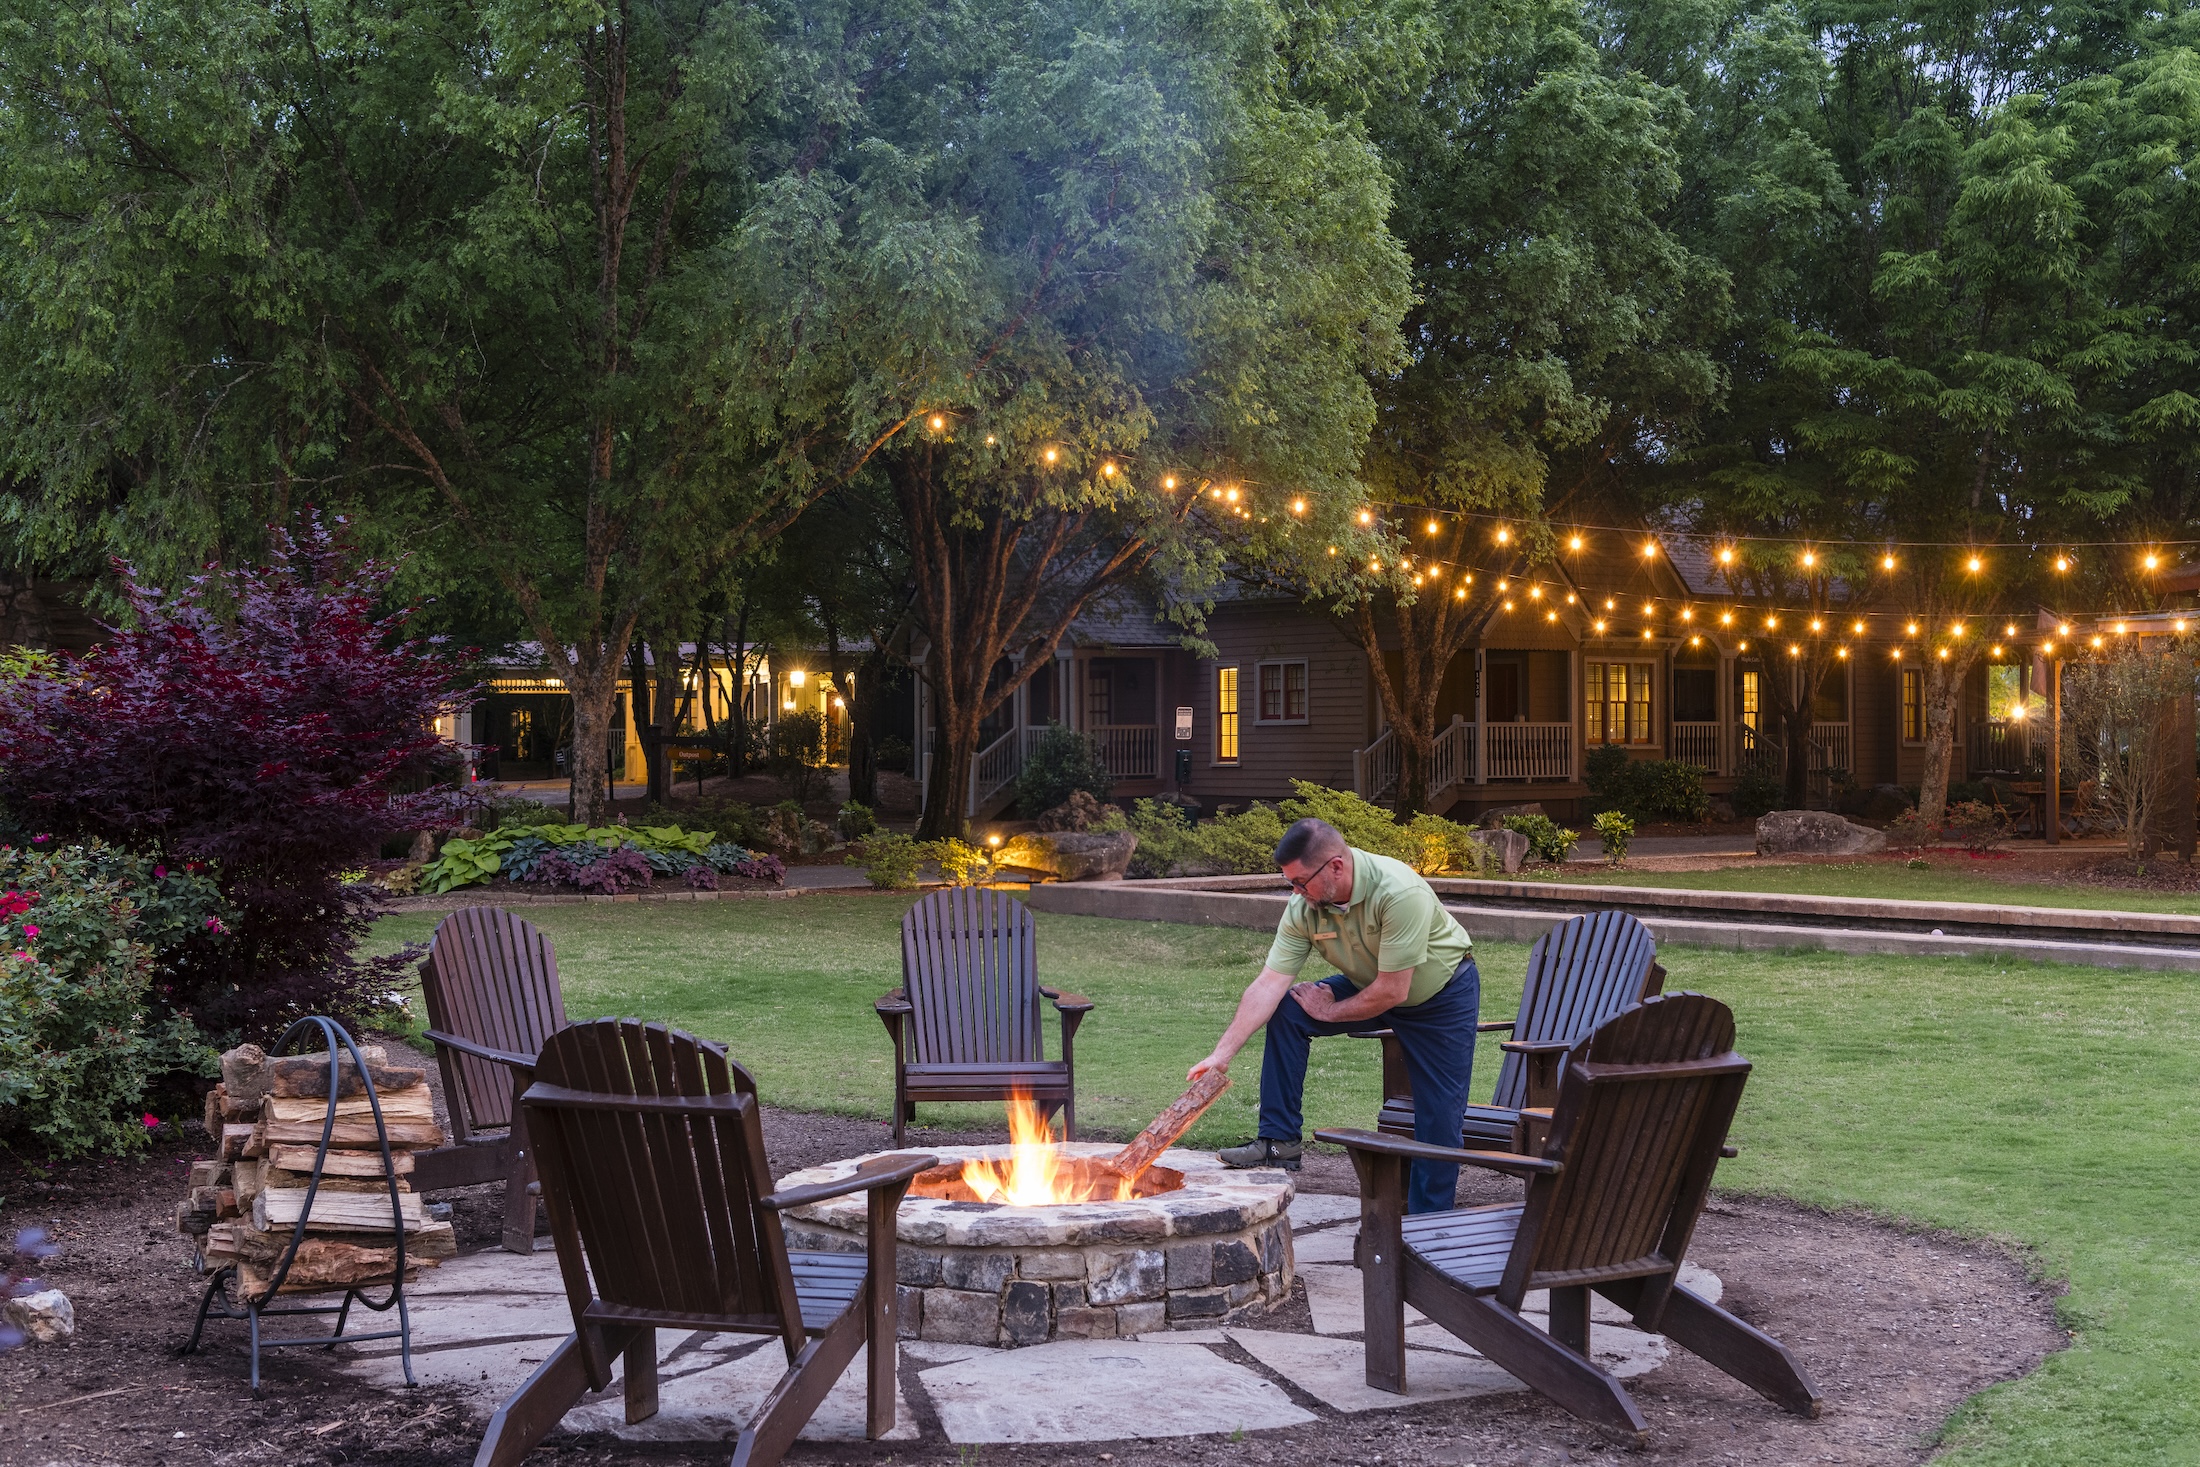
x=1815, y=833
x=1507, y=849
x=1492, y=816
x=1882, y=802
x=46, y=1316
x=1070, y=855
x=1080, y=812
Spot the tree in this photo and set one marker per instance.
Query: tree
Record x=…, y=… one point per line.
x=1556, y=320
x=1156, y=283
x=2121, y=730
x=478, y=269
x=269, y=723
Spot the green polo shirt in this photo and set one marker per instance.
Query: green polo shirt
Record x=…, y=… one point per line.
x=1394, y=920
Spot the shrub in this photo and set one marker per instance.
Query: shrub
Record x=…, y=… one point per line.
x=521, y=858
x=889, y=859
x=1060, y=762
x=88, y=937
x=961, y=863
x=798, y=755
x=1976, y=826
x=1758, y=791
x=1910, y=831
x=493, y=809
x=465, y=861
x=1445, y=845
x=1615, y=830
x=595, y=870
x=856, y=820
x=1164, y=834
x=1547, y=840
x=1370, y=827
x=701, y=877
x=273, y=741
x=1645, y=789
x=1241, y=845
x=894, y=753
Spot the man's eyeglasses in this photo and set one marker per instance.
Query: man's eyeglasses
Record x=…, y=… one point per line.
x=1300, y=886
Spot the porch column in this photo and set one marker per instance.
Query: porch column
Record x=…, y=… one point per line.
x=1723, y=709
x=1481, y=721
x=1579, y=742
x=1065, y=670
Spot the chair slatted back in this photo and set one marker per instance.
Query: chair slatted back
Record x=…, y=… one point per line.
x=1580, y=973
x=1642, y=1112
x=492, y=978
x=970, y=970
x=664, y=1201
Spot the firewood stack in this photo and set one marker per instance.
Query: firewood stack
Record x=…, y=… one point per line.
x=244, y=1205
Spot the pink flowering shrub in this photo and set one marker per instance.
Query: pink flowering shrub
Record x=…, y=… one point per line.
x=88, y=1039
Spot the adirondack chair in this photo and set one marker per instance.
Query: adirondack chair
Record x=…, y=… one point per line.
x=965, y=1020
x=491, y=981
x=1580, y=973
x=661, y=1203
x=1643, y=1109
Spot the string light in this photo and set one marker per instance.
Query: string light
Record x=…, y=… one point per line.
x=2062, y=562
x=1688, y=613
x=990, y=440
x=1742, y=646
x=1994, y=651
x=2098, y=644
x=1432, y=527
x=1794, y=651
x=1898, y=654
x=1886, y=562
x=1772, y=623
x=1575, y=543
x=1650, y=551
x=1816, y=625
x=1944, y=654
x=1107, y=471
x=1841, y=652
x=1809, y=560
x=1726, y=555
x=1052, y=454
x=938, y=423
x=1857, y=627
x=1298, y=506
x=1911, y=629
x=1504, y=536
x=2047, y=648
x=1726, y=618
x=1535, y=593
x=1976, y=565
x=1232, y=496
x=1600, y=626
x=2152, y=561
x=1956, y=630
x=1366, y=518
x=1461, y=593
x=1550, y=616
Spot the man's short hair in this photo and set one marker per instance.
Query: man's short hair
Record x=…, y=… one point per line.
x=1309, y=842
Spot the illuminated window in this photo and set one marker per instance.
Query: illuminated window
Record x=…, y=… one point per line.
x=1282, y=692
x=1752, y=705
x=1617, y=702
x=1226, y=715
x=1913, y=705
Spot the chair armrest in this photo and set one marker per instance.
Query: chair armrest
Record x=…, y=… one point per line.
x=893, y=1002
x=1369, y=1034
x=1398, y=1146
x=481, y=1051
x=1068, y=1003
x=1492, y=1026
x=1534, y=1046
x=884, y=1171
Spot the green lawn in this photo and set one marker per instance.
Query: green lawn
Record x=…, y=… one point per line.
x=1951, y=879
x=2052, y=1106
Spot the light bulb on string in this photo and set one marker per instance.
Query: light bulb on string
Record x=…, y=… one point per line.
x=1432, y=527
x=1168, y=481
x=1857, y=627
x=1886, y=562
x=1841, y=652
x=2152, y=561
x=1956, y=630
x=1911, y=629
x=1366, y=518
x=1650, y=551
x=1053, y=454
x=2009, y=630
x=1726, y=618
x=1994, y=651
x=990, y=440
x=939, y=423
x=1575, y=543
x=1610, y=604
x=1600, y=626
x=2062, y=562
x=1107, y=471
x=1298, y=506
x=1975, y=565
x=2098, y=644
x=1726, y=555
x=1810, y=559
x=2121, y=629
x=1816, y=625
x=1772, y=623
x=1504, y=536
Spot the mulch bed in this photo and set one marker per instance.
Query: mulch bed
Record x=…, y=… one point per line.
x=1898, y=1326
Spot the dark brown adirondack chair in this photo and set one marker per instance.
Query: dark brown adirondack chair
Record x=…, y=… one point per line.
x=1642, y=1115
x=491, y=981
x=965, y=1020
x=651, y=1150
x=1580, y=973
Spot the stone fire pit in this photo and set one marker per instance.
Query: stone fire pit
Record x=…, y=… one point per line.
x=1204, y=1245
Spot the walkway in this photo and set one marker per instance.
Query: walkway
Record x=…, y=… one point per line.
x=482, y=1323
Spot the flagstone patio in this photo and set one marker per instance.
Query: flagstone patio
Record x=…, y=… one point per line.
x=483, y=1322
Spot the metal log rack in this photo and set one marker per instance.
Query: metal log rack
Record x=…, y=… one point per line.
x=224, y=1299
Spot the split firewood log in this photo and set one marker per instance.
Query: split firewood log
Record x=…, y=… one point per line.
x=237, y=1141
x=282, y=1178
x=333, y=1211
x=305, y=1076
x=339, y=1163
x=348, y=1135
x=244, y=1074
x=1132, y=1161
x=414, y=1103
x=430, y=1241
x=209, y=1174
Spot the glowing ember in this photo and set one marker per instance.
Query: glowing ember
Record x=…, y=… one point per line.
x=1036, y=1174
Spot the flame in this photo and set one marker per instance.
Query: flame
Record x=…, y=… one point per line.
x=1035, y=1175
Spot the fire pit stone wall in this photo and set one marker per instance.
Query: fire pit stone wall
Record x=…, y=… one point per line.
x=977, y=1273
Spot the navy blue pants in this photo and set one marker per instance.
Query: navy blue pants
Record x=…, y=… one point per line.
x=1438, y=1039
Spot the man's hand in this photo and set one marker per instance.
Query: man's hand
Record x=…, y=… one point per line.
x=1317, y=999
x=1217, y=1063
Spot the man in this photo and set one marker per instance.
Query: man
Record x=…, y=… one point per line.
x=1403, y=963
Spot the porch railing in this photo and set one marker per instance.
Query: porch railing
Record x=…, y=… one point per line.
x=1130, y=750
x=1451, y=758
x=1375, y=768
x=995, y=769
x=2003, y=746
x=1530, y=750
x=1830, y=748
x=1697, y=744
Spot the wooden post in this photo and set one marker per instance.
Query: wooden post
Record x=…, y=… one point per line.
x=2054, y=751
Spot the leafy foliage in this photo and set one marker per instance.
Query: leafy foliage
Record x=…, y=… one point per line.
x=1548, y=841
x=1061, y=761
x=1614, y=829
x=89, y=941
x=1645, y=789
x=1758, y=791
x=1368, y=826
x=263, y=721
x=889, y=859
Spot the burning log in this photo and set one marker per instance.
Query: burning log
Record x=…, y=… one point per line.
x=1169, y=1126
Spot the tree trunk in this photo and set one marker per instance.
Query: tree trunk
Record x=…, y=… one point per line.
x=1795, y=739
x=641, y=707
x=863, y=704
x=954, y=752
x=1416, y=744
x=1432, y=631
x=737, y=755
x=1943, y=692
x=593, y=681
